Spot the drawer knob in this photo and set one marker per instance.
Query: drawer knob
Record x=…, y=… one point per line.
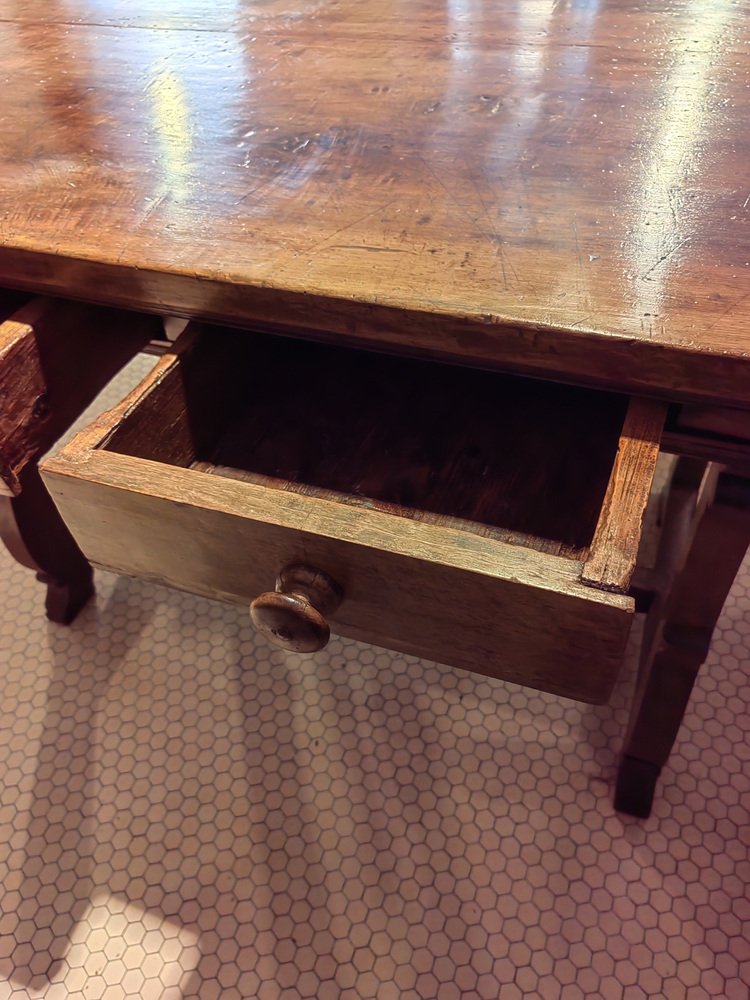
x=294, y=615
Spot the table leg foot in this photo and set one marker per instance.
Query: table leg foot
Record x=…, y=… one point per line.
x=636, y=784
x=37, y=537
x=65, y=600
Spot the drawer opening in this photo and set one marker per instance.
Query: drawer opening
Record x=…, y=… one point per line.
x=515, y=459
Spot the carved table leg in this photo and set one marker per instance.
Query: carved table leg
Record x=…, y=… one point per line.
x=37, y=537
x=55, y=356
x=713, y=542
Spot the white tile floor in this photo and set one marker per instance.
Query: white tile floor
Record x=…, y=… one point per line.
x=185, y=812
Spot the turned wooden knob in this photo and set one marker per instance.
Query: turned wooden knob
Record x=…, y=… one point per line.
x=294, y=615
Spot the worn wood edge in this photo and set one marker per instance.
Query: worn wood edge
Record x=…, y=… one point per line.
x=14, y=347
x=311, y=515
x=21, y=385
x=614, y=548
x=586, y=356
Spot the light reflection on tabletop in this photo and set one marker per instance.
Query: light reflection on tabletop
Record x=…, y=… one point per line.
x=688, y=126
x=579, y=167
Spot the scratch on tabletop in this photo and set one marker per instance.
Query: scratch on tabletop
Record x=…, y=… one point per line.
x=494, y=239
x=350, y=225
x=365, y=246
x=729, y=309
x=664, y=256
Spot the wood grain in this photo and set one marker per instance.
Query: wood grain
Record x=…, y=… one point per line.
x=557, y=188
x=55, y=356
x=611, y=559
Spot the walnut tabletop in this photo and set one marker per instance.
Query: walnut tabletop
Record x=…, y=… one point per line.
x=559, y=187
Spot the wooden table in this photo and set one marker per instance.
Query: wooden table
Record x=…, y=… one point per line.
x=549, y=189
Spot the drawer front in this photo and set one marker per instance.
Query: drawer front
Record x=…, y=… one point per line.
x=431, y=587
x=514, y=614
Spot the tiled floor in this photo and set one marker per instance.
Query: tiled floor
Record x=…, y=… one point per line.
x=185, y=812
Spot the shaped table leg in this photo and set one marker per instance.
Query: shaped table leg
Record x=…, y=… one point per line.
x=36, y=536
x=710, y=523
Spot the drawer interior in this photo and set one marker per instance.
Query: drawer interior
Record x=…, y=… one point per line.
x=10, y=301
x=510, y=458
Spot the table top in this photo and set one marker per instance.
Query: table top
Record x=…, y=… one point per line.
x=559, y=187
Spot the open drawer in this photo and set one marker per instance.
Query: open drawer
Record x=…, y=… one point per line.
x=486, y=521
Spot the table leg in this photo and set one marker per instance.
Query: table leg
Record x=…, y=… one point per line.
x=58, y=356
x=707, y=532
x=36, y=536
